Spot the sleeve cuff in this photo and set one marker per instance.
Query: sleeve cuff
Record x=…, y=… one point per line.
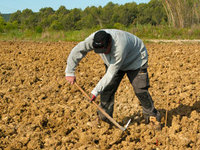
x=94, y=92
x=69, y=74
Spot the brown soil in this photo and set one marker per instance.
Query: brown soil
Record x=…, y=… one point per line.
x=39, y=110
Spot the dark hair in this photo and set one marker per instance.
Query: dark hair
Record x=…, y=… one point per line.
x=101, y=39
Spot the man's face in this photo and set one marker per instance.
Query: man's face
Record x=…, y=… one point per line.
x=108, y=48
x=100, y=50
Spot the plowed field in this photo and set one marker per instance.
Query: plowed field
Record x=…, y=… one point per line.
x=39, y=110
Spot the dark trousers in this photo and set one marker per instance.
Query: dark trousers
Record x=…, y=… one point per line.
x=140, y=82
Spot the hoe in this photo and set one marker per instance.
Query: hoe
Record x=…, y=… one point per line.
x=103, y=112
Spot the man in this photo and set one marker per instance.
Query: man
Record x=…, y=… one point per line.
x=123, y=53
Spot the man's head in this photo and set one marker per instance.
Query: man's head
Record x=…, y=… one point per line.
x=101, y=42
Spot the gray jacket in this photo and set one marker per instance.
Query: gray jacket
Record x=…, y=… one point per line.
x=128, y=52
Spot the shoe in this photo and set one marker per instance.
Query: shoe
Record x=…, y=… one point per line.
x=154, y=121
x=155, y=114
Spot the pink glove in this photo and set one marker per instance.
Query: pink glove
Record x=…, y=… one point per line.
x=93, y=97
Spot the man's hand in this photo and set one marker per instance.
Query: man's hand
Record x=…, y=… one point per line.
x=93, y=97
x=71, y=79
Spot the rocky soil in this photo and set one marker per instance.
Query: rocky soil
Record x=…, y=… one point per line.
x=39, y=110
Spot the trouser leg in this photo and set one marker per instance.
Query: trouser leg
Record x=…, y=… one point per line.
x=140, y=82
x=107, y=96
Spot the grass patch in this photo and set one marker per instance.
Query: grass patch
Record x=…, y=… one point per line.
x=142, y=31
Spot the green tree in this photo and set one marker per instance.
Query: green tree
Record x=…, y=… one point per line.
x=2, y=24
x=91, y=17
x=28, y=19
x=141, y=17
x=56, y=25
x=11, y=25
x=158, y=13
x=107, y=13
x=70, y=20
x=16, y=17
x=127, y=13
x=61, y=12
x=46, y=17
x=45, y=12
x=152, y=13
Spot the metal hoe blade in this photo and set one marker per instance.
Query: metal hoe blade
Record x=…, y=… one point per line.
x=125, y=127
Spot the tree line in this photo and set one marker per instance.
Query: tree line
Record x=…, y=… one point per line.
x=176, y=13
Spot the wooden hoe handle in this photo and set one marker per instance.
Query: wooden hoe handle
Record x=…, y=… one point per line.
x=100, y=109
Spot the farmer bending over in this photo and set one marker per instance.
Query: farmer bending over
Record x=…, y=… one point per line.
x=123, y=53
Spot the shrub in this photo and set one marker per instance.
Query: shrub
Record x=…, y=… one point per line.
x=38, y=29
